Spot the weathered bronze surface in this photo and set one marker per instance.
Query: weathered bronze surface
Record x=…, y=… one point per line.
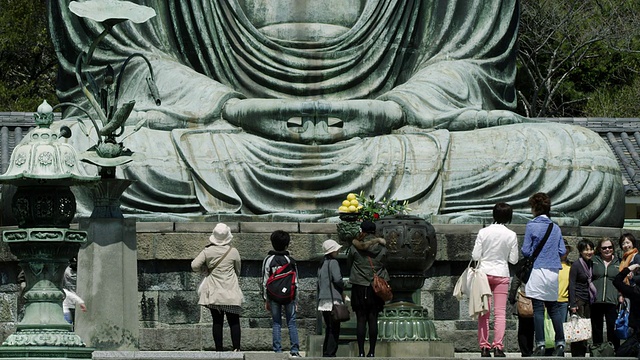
x=280, y=108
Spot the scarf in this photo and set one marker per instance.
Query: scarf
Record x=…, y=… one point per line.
x=626, y=261
x=592, y=288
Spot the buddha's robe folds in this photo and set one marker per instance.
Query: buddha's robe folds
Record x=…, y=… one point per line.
x=436, y=131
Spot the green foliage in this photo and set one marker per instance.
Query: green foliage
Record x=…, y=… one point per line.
x=373, y=210
x=572, y=49
x=28, y=62
x=616, y=102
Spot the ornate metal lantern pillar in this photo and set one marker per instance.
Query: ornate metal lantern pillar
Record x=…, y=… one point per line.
x=411, y=250
x=43, y=169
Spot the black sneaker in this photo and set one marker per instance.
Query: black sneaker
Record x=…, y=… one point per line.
x=539, y=351
x=558, y=351
x=485, y=352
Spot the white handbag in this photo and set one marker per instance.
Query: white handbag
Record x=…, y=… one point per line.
x=463, y=284
x=577, y=329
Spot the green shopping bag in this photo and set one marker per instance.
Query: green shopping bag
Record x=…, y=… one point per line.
x=549, y=333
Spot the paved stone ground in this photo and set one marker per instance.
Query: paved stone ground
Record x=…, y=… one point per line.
x=260, y=355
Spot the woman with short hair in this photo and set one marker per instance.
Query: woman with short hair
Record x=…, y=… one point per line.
x=543, y=285
x=606, y=265
x=629, y=246
x=581, y=290
x=496, y=246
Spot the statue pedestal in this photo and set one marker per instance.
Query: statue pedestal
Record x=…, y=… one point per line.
x=108, y=282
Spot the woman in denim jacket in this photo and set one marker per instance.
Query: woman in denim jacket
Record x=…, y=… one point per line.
x=542, y=286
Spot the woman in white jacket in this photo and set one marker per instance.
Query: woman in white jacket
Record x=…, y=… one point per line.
x=495, y=247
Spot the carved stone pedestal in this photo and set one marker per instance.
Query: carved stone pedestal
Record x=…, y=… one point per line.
x=107, y=273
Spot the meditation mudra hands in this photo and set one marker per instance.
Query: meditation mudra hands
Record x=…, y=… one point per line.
x=324, y=121
x=313, y=121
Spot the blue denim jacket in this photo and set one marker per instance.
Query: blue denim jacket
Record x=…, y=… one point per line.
x=549, y=257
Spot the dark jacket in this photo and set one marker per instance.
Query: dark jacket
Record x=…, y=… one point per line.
x=579, y=283
x=329, y=276
x=513, y=289
x=603, y=279
x=633, y=294
x=358, y=262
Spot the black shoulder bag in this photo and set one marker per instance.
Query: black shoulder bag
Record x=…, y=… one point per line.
x=525, y=265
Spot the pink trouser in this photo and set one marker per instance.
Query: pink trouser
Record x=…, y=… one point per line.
x=499, y=288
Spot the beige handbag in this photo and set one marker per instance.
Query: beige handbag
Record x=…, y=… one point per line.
x=525, y=306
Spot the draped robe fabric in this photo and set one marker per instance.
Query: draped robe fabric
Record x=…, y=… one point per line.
x=436, y=59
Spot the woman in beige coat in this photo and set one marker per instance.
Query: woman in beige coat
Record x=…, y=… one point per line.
x=220, y=291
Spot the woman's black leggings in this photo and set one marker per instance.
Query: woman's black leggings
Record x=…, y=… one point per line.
x=363, y=318
x=234, y=325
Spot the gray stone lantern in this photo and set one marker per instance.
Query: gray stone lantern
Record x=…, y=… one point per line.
x=43, y=169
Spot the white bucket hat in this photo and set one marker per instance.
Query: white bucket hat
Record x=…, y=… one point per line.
x=330, y=246
x=221, y=235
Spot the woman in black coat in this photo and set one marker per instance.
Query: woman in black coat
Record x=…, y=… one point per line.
x=633, y=294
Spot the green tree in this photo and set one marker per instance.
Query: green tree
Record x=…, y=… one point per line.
x=572, y=49
x=615, y=102
x=28, y=62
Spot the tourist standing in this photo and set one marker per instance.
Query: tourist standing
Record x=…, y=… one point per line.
x=563, y=279
x=330, y=292
x=366, y=255
x=220, y=290
x=278, y=259
x=71, y=300
x=69, y=286
x=582, y=292
x=496, y=246
x=629, y=246
x=632, y=292
x=525, y=324
x=606, y=266
x=543, y=285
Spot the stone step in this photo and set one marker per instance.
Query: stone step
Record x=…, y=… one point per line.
x=263, y=355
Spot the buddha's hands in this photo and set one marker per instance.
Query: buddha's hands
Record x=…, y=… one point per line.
x=314, y=122
x=477, y=119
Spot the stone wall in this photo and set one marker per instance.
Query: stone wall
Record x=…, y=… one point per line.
x=170, y=318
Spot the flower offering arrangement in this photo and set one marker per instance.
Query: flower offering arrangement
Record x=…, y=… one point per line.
x=368, y=208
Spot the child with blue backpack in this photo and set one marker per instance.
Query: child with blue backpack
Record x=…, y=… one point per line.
x=279, y=288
